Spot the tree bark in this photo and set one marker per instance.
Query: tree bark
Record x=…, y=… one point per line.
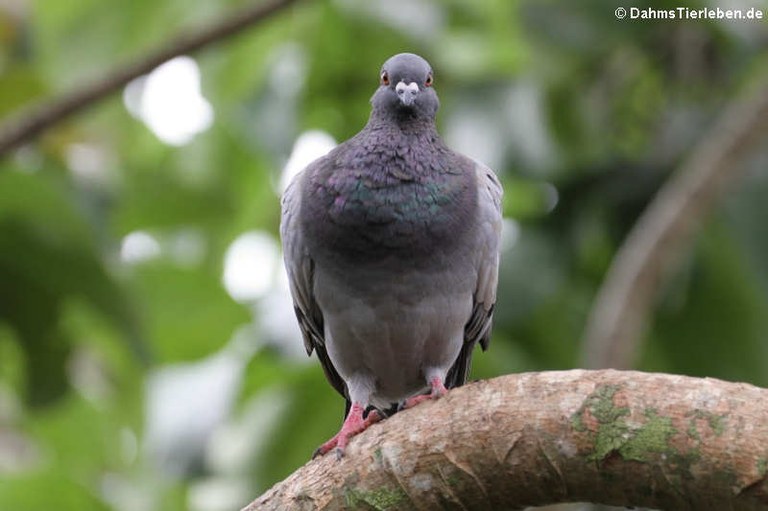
x=613, y=437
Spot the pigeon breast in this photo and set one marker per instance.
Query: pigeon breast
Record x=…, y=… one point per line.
x=387, y=195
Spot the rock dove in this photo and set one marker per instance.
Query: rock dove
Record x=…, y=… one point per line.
x=391, y=244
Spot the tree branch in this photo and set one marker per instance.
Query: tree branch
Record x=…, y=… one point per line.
x=621, y=438
x=666, y=230
x=29, y=123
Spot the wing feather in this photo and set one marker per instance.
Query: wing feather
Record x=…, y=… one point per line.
x=301, y=268
x=478, y=328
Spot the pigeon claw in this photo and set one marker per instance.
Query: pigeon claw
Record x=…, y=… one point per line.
x=353, y=425
x=438, y=391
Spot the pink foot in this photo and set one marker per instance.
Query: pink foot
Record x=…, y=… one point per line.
x=438, y=390
x=353, y=424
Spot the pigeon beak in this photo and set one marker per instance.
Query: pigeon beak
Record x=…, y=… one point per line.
x=407, y=93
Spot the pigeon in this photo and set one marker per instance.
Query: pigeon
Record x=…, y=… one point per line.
x=391, y=243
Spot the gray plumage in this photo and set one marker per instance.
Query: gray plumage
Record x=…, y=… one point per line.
x=391, y=243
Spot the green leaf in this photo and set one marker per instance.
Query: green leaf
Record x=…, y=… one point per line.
x=187, y=312
x=47, y=254
x=719, y=315
x=47, y=490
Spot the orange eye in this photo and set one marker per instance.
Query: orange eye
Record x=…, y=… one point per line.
x=384, y=78
x=429, y=80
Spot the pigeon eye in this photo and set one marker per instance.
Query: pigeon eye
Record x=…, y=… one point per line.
x=384, y=78
x=428, y=81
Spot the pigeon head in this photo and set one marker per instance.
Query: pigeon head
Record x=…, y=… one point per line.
x=405, y=89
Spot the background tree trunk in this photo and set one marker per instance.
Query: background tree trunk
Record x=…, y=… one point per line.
x=30, y=122
x=613, y=437
x=666, y=230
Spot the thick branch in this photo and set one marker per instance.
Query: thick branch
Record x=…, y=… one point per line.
x=665, y=230
x=622, y=438
x=30, y=123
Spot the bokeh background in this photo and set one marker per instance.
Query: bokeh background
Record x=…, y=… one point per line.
x=149, y=358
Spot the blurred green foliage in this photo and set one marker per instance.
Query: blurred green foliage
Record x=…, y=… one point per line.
x=141, y=384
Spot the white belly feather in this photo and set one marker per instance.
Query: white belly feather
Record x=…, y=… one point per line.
x=384, y=338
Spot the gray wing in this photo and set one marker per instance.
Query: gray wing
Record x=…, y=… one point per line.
x=478, y=328
x=300, y=268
